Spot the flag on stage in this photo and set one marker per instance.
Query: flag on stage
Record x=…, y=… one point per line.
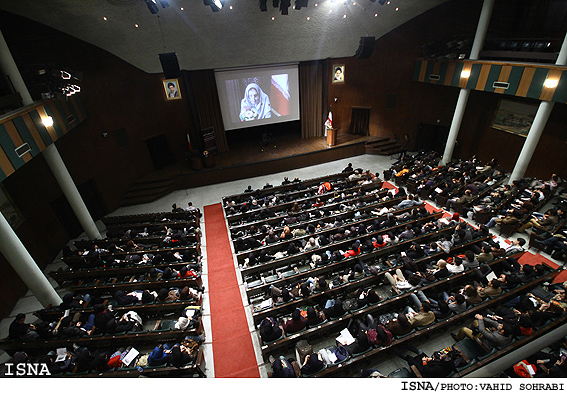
x=329, y=122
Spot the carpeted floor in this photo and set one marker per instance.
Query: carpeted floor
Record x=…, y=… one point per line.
x=233, y=351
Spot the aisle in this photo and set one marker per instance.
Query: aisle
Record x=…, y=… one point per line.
x=233, y=352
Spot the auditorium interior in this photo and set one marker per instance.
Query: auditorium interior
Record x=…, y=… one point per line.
x=446, y=117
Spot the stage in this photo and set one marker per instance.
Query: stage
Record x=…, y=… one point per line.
x=244, y=160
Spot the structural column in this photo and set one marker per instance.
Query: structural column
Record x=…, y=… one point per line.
x=19, y=258
x=540, y=120
x=55, y=162
x=479, y=37
x=9, y=68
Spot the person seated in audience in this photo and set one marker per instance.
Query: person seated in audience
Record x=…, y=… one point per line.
x=269, y=330
x=126, y=299
x=471, y=295
x=437, y=366
x=486, y=255
x=365, y=297
x=314, y=317
x=547, y=222
x=490, y=332
x=410, y=201
x=311, y=244
x=493, y=289
x=299, y=231
x=271, y=238
x=421, y=314
x=399, y=325
x=312, y=364
x=282, y=368
x=470, y=260
x=280, y=295
x=440, y=272
x=398, y=281
x=361, y=342
x=455, y=266
x=160, y=355
x=57, y=367
x=20, y=330
x=445, y=243
x=334, y=308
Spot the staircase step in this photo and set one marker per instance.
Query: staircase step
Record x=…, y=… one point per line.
x=381, y=144
x=148, y=185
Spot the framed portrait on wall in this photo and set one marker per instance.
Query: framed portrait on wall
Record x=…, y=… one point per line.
x=339, y=73
x=514, y=117
x=171, y=88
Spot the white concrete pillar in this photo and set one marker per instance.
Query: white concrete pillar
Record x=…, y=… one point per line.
x=478, y=42
x=19, y=258
x=55, y=162
x=540, y=120
x=9, y=68
x=455, y=125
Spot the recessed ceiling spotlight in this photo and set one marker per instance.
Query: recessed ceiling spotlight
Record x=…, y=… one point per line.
x=136, y=25
x=397, y=8
x=273, y=17
x=308, y=18
x=316, y=4
x=104, y=17
x=230, y=7
x=182, y=8
x=344, y=16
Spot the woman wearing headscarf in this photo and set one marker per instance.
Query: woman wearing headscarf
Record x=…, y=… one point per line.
x=255, y=104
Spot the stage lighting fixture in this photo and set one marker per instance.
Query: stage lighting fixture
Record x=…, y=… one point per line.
x=152, y=6
x=284, y=6
x=263, y=5
x=164, y=3
x=276, y=3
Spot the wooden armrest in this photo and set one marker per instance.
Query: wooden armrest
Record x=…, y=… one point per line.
x=416, y=371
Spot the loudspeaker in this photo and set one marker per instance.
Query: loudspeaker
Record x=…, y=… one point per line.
x=366, y=47
x=169, y=65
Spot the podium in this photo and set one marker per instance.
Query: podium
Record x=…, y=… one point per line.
x=331, y=137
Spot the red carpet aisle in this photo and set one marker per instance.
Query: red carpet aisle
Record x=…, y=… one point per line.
x=233, y=351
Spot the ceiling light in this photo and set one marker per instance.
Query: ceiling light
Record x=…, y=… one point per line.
x=136, y=25
x=152, y=6
x=465, y=73
x=551, y=83
x=47, y=121
x=104, y=17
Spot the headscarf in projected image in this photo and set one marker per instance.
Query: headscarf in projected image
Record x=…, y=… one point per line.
x=255, y=104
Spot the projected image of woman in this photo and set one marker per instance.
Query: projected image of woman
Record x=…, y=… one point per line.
x=255, y=104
